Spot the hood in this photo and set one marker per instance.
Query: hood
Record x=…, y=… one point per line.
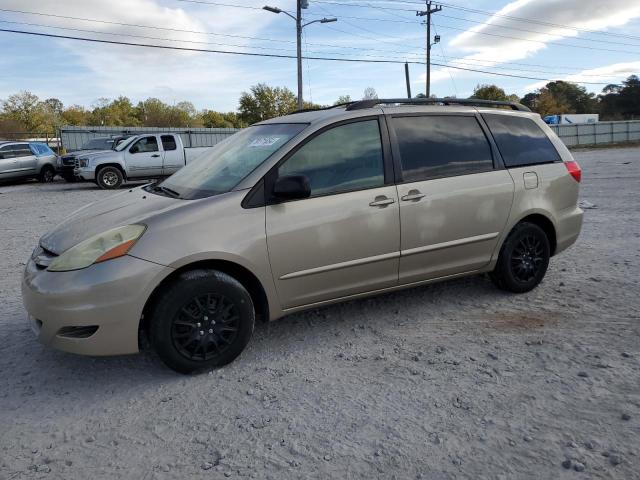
x=84, y=153
x=131, y=206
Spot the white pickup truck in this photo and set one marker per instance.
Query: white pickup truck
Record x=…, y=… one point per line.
x=139, y=157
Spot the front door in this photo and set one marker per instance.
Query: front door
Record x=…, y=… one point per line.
x=143, y=158
x=172, y=157
x=9, y=163
x=453, y=202
x=345, y=238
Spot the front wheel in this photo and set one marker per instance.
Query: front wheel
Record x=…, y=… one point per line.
x=202, y=319
x=109, y=178
x=47, y=174
x=523, y=259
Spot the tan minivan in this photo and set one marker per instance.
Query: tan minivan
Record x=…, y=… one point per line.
x=301, y=211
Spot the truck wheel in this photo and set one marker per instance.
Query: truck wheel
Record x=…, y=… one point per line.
x=109, y=178
x=523, y=259
x=47, y=174
x=203, y=319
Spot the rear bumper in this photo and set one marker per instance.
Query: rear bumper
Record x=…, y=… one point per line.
x=109, y=296
x=568, y=226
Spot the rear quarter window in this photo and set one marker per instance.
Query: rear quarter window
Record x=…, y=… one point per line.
x=521, y=142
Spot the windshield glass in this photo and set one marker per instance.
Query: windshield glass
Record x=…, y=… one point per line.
x=222, y=167
x=122, y=145
x=97, y=144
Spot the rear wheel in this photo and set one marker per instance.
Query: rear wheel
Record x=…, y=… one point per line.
x=523, y=259
x=47, y=174
x=203, y=319
x=109, y=178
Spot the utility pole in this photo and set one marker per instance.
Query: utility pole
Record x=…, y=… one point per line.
x=428, y=12
x=406, y=78
x=300, y=4
x=299, y=44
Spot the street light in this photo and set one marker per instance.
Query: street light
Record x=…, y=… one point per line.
x=299, y=26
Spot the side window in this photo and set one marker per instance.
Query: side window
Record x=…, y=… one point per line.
x=22, y=150
x=344, y=158
x=7, y=152
x=437, y=146
x=145, y=144
x=520, y=141
x=168, y=142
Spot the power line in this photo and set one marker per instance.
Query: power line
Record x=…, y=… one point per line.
x=270, y=55
x=479, y=12
x=349, y=47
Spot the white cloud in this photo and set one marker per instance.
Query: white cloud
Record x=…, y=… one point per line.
x=488, y=50
x=111, y=70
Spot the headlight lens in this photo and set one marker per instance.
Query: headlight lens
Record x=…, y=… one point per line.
x=84, y=162
x=113, y=243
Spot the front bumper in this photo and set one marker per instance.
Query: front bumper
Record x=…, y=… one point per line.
x=86, y=173
x=109, y=296
x=66, y=171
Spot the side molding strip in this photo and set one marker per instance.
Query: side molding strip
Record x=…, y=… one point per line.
x=337, y=266
x=452, y=243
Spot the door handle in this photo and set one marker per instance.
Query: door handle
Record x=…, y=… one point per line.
x=155, y=155
x=413, y=195
x=381, y=201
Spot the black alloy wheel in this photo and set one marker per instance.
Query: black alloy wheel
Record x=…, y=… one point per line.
x=523, y=259
x=200, y=319
x=205, y=326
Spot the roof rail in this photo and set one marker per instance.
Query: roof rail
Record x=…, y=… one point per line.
x=359, y=105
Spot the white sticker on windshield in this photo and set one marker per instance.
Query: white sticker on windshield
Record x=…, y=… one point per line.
x=263, y=142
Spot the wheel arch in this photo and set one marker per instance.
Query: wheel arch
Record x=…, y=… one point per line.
x=111, y=164
x=545, y=222
x=242, y=274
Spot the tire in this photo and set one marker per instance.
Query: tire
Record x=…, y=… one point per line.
x=109, y=178
x=202, y=319
x=47, y=174
x=523, y=259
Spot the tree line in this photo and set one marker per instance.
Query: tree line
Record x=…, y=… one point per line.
x=616, y=102
x=25, y=112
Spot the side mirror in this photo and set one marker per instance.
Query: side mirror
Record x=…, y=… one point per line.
x=292, y=187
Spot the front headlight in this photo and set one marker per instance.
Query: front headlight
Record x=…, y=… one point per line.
x=83, y=162
x=113, y=243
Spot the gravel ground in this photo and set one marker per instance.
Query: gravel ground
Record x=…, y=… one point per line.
x=455, y=380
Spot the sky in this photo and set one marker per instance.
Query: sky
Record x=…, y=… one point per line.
x=592, y=42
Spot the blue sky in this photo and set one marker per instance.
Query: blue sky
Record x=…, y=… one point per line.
x=580, y=40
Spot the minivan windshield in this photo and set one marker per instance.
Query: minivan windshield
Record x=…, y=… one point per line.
x=222, y=167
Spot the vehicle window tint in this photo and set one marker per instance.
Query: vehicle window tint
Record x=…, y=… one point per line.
x=437, y=146
x=520, y=141
x=168, y=142
x=22, y=150
x=146, y=144
x=347, y=157
x=6, y=151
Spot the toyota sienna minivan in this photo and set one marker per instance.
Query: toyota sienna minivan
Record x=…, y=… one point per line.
x=301, y=211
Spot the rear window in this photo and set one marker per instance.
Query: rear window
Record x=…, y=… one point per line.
x=521, y=142
x=437, y=146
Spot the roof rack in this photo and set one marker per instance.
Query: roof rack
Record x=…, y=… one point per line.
x=359, y=105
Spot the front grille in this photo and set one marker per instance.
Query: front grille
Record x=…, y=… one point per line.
x=77, y=163
x=69, y=161
x=77, y=332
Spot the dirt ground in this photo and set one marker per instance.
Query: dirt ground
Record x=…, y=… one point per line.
x=455, y=380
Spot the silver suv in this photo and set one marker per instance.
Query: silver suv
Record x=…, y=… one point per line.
x=301, y=211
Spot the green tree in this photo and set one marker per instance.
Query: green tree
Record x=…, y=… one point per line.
x=264, y=102
x=574, y=96
x=75, y=115
x=493, y=92
x=25, y=109
x=343, y=99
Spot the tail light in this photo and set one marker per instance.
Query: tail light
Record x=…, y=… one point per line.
x=574, y=169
